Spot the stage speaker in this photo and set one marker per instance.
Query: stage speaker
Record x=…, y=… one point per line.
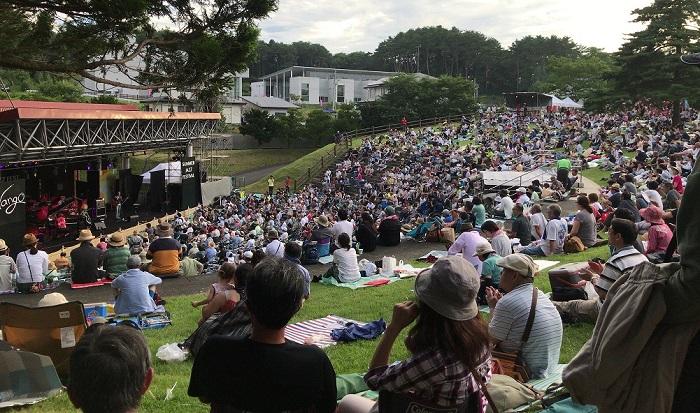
x=156, y=191
x=93, y=188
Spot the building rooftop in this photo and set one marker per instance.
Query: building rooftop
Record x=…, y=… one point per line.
x=331, y=70
x=267, y=102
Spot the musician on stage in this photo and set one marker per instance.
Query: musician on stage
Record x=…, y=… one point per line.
x=118, y=200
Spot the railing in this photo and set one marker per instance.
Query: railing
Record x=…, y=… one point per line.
x=340, y=149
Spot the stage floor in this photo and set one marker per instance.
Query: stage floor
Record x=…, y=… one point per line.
x=54, y=244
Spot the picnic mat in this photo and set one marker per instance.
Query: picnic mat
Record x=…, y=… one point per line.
x=325, y=260
x=553, y=377
x=318, y=330
x=363, y=282
x=544, y=264
x=98, y=283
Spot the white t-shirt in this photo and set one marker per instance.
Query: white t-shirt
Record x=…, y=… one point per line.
x=342, y=227
x=556, y=231
x=31, y=268
x=501, y=244
x=275, y=249
x=346, y=260
x=506, y=206
x=541, y=221
x=541, y=352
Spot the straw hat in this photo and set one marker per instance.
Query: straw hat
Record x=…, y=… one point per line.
x=85, y=235
x=116, y=240
x=3, y=245
x=164, y=230
x=52, y=299
x=29, y=239
x=322, y=221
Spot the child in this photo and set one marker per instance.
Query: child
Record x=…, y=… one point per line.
x=222, y=285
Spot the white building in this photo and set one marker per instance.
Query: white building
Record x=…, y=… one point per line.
x=375, y=90
x=274, y=106
x=317, y=85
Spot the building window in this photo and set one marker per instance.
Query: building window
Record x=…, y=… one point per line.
x=340, y=93
x=304, y=92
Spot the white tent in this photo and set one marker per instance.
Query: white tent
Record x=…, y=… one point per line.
x=556, y=102
x=173, y=173
x=570, y=103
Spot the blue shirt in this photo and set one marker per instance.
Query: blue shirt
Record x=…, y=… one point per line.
x=210, y=253
x=134, y=296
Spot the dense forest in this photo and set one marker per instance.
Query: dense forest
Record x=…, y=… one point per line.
x=435, y=51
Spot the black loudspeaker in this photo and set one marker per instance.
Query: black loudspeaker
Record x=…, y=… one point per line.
x=156, y=191
x=93, y=188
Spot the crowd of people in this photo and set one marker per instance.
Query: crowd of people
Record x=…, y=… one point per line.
x=417, y=184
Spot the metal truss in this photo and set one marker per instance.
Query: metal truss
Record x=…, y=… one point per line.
x=52, y=140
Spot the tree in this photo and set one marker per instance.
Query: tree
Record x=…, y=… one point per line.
x=348, y=118
x=260, y=125
x=291, y=126
x=319, y=126
x=587, y=77
x=204, y=42
x=526, y=62
x=650, y=59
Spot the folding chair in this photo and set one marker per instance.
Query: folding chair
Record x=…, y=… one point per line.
x=52, y=331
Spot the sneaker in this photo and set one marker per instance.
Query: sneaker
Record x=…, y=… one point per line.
x=691, y=59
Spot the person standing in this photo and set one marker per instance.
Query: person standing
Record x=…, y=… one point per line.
x=8, y=268
x=563, y=168
x=85, y=259
x=270, y=185
x=32, y=264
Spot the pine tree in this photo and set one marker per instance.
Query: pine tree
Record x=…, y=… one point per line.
x=650, y=59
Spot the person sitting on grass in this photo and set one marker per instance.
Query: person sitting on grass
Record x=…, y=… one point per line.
x=265, y=372
x=225, y=300
x=190, y=266
x=292, y=253
x=224, y=283
x=497, y=237
x=114, y=260
x=345, y=261
x=555, y=235
x=490, y=272
x=509, y=316
x=389, y=229
x=448, y=343
x=164, y=252
x=110, y=370
x=135, y=290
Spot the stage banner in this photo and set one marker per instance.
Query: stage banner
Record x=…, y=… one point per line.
x=13, y=214
x=191, y=191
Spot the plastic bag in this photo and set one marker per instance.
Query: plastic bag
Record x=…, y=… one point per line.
x=367, y=266
x=170, y=353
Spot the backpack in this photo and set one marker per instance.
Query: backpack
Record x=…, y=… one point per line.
x=309, y=254
x=574, y=244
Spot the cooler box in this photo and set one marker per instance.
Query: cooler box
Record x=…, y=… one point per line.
x=97, y=310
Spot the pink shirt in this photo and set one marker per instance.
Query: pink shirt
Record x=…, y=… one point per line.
x=659, y=237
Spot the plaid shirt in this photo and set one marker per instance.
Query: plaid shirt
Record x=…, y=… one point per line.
x=431, y=376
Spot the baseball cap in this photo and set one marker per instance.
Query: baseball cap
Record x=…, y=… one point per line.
x=450, y=288
x=520, y=263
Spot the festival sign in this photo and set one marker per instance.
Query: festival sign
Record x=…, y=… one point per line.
x=190, y=183
x=12, y=212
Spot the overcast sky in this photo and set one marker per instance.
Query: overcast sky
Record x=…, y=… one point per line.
x=359, y=25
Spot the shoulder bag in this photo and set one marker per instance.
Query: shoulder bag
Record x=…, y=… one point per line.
x=512, y=364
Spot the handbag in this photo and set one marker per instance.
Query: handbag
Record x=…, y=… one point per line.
x=512, y=364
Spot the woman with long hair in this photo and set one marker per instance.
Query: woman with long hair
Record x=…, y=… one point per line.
x=367, y=233
x=584, y=222
x=449, y=344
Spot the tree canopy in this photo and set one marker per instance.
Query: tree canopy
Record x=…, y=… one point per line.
x=160, y=44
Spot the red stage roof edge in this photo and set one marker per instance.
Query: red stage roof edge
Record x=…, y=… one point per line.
x=34, y=104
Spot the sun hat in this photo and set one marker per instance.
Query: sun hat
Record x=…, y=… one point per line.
x=116, y=240
x=3, y=245
x=450, y=288
x=483, y=249
x=85, y=235
x=164, y=230
x=520, y=263
x=248, y=254
x=322, y=220
x=29, y=239
x=52, y=299
x=652, y=214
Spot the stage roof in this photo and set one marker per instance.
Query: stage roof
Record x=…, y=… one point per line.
x=28, y=110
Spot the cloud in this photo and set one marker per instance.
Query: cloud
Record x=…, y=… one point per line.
x=360, y=25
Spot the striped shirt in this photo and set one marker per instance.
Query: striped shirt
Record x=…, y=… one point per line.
x=431, y=376
x=541, y=352
x=621, y=261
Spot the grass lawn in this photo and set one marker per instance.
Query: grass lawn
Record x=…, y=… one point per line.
x=597, y=175
x=362, y=305
x=238, y=161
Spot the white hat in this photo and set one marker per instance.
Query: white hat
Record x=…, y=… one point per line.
x=52, y=299
x=248, y=254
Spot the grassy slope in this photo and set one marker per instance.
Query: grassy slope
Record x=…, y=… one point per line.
x=364, y=305
x=597, y=175
x=238, y=161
